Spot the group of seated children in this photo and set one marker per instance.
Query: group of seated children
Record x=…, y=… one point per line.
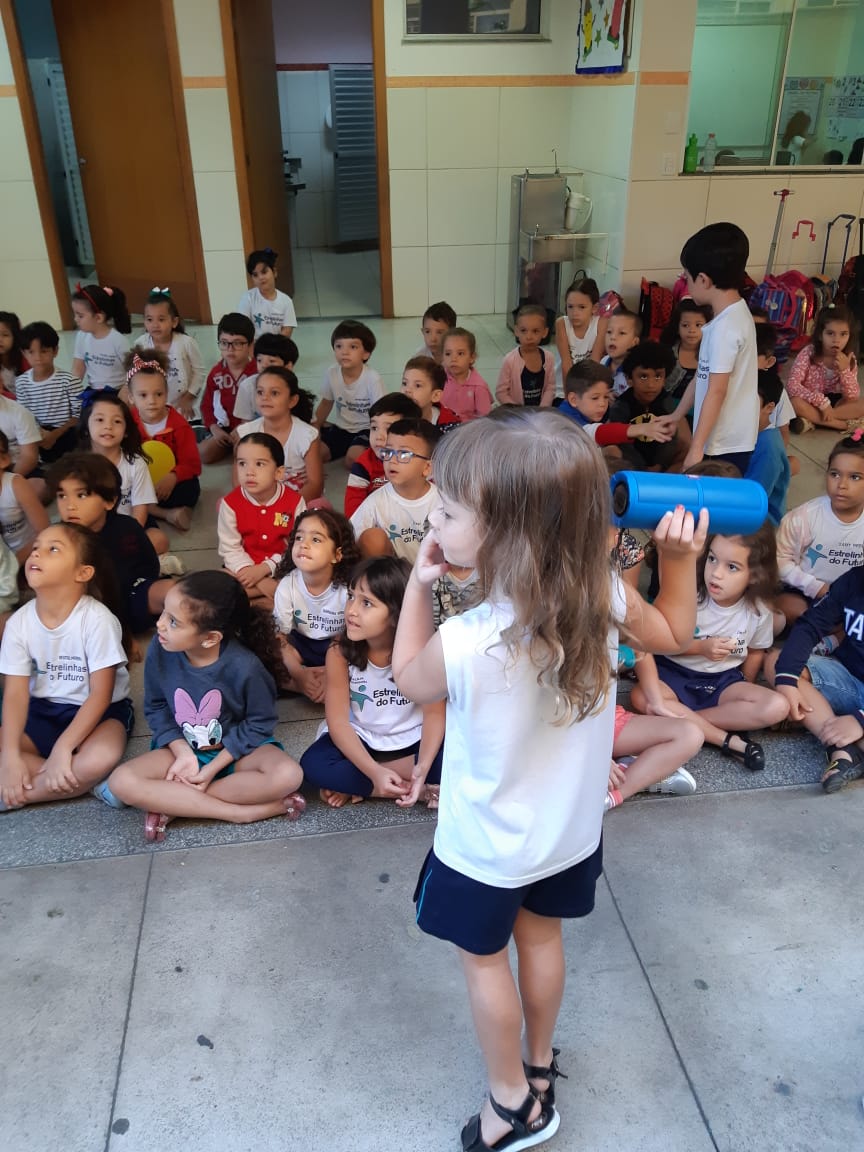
x=308, y=599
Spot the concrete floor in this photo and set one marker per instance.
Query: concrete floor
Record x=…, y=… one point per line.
x=269, y=990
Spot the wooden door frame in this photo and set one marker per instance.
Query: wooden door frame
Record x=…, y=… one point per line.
x=382, y=152
x=33, y=136
x=235, y=114
x=40, y=172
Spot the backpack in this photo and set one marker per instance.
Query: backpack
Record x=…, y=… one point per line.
x=609, y=301
x=786, y=301
x=655, y=308
x=851, y=284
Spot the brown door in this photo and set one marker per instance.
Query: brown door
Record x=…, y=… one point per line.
x=258, y=98
x=132, y=141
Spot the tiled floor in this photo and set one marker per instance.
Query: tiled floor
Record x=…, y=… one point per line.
x=336, y=284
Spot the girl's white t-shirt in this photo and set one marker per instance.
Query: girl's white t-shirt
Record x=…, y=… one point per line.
x=300, y=439
x=380, y=715
x=136, y=486
x=103, y=359
x=268, y=315
x=59, y=660
x=297, y=610
x=521, y=797
x=186, y=371
x=752, y=627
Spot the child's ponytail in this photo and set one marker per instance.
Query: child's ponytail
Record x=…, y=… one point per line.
x=163, y=296
x=110, y=301
x=218, y=603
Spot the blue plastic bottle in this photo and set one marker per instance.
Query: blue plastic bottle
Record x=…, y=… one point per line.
x=735, y=507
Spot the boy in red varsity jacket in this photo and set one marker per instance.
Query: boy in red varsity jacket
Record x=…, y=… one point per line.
x=178, y=490
x=236, y=334
x=256, y=519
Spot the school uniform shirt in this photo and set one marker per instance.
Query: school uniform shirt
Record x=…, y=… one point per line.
x=380, y=715
x=729, y=346
x=521, y=796
x=469, y=398
x=842, y=608
x=175, y=432
x=14, y=525
x=220, y=392
x=268, y=315
x=19, y=426
x=318, y=617
x=769, y=466
x=814, y=547
x=103, y=359
x=581, y=347
x=253, y=533
x=751, y=627
x=186, y=371
x=404, y=521
x=136, y=485
x=59, y=660
x=230, y=704
x=53, y=401
x=244, y=401
x=783, y=412
x=351, y=402
x=512, y=378
x=300, y=439
x=366, y=476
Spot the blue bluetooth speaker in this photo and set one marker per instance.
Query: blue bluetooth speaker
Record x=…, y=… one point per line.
x=735, y=507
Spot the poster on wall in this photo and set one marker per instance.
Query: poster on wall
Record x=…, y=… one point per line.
x=801, y=94
x=845, y=107
x=602, y=36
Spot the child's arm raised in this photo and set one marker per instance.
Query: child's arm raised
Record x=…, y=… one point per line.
x=666, y=626
x=418, y=658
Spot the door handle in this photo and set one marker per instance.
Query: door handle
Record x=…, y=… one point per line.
x=81, y=161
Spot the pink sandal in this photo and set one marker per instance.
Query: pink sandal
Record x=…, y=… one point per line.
x=155, y=824
x=295, y=806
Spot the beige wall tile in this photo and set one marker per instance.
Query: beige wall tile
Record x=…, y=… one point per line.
x=462, y=206
x=209, y=125
x=609, y=214
x=406, y=127
x=661, y=214
x=199, y=37
x=464, y=276
x=21, y=235
x=601, y=128
x=533, y=122
x=750, y=203
x=408, y=211
x=226, y=280
x=664, y=33
x=411, y=282
x=502, y=278
x=28, y=287
x=462, y=127
x=659, y=129
x=16, y=158
x=218, y=211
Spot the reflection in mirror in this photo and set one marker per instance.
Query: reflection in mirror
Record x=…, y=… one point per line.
x=472, y=17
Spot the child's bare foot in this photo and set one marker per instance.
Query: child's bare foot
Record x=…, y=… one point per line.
x=178, y=518
x=431, y=795
x=338, y=799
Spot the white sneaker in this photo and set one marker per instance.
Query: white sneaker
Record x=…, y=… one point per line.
x=171, y=565
x=680, y=783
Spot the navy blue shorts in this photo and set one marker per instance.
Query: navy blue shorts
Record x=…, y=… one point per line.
x=312, y=650
x=696, y=690
x=479, y=918
x=140, y=616
x=788, y=590
x=739, y=460
x=48, y=720
x=339, y=441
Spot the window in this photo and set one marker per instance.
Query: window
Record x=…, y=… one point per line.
x=493, y=18
x=779, y=82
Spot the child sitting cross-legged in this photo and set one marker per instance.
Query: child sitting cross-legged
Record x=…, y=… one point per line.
x=51, y=395
x=367, y=471
x=374, y=741
x=286, y=414
x=256, y=519
x=349, y=389
x=235, y=333
x=466, y=392
x=588, y=389
x=309, y=604
x=392, y=521
x=22, y=516
x=644, y=401
x=424, y=381
x=527, y=373
x=823, y=381
x=271, y=351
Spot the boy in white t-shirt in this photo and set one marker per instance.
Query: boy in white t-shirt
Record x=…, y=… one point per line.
x=392, y=521
x=723, y=393
x=269, y=309
x=349, y=390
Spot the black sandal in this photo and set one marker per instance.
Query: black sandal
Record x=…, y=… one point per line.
x=550, y=1073
x=753, y=756
x=526, y=1133
x=839, y=772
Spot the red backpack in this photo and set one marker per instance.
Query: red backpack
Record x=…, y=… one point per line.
x=655, y=307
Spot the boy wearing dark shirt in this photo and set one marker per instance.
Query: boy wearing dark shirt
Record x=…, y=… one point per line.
x=646, y=400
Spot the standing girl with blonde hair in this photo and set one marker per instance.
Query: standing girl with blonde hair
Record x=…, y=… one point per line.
x=527, y=677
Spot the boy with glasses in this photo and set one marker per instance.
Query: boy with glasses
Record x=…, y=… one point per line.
x=235, y=334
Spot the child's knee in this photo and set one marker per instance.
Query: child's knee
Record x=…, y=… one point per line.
x=777, y=709
x=375, y=542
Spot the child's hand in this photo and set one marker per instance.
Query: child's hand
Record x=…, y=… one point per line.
x=617, y=775
x=15, y=781
x=220, y=435
x=166, y=486
x=184, y=767
x=678, y=533
x=717, y=647
x=842, y=362
x=840, y=731
x=661, y=429
x=186, y=405
x=797, y=707
x=312, y=682
x=430, y=564
x=417, y=787
x=389, y=784
x=59, y=776
x=659, y=706
x=252, y=575
x=693, y=457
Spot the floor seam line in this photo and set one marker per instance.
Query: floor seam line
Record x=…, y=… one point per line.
x=122, y=1052
x=678, y=1056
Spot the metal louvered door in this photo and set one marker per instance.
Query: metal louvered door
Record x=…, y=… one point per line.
x=352, y=107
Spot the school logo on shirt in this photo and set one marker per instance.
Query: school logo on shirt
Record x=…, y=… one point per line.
x=360, y=697
x=814, y=554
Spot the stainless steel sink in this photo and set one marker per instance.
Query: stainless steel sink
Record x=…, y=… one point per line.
x=555, y=247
